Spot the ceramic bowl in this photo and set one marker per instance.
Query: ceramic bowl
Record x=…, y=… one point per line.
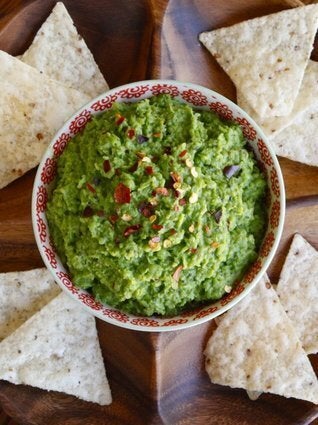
x=198, y=97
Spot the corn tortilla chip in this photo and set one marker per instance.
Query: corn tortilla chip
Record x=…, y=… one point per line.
x=266, y=57
x=255, y=347
x=62, y=54
x=32, y=108
x=299, y=141
x=298, y=291
x=307, y=95
x=21, y=295
x=57, y=349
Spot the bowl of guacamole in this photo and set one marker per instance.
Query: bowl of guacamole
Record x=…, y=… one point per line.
x=158, y=205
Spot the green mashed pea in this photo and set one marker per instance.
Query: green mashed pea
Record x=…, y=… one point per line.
x=157, y=206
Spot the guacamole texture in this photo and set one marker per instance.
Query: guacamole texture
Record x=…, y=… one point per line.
x=157, y=206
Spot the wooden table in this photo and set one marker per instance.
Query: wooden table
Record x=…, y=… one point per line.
x=155, y=378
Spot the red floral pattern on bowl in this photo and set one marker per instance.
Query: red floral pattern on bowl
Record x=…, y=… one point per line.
x=196, y=96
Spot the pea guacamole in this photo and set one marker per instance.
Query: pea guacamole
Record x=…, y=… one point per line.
x=157, y=206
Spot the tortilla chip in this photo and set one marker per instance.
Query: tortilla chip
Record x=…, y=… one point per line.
x=255, y=347
x=57, y=349
x=307, y=95
x=266, y=57
x=21, y=295
x=298, y=291
x=298, y=141
x=32, y=108
x=61, y=53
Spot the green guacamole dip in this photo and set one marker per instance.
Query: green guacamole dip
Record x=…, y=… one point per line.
x=157, y=207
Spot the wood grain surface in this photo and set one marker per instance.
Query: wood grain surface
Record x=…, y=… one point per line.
x=155, y=378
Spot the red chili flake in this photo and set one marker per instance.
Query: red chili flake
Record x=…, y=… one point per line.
x=117, y=171
x=182, y=201
x=157, y=134
x=122, y=194
x=181, y=154
x=157, y=226
x=146, y=209
x=169, y=183
x=193, y=250
x=113, y=218
x=161, y=191
x=175, y=177
x=155, y=239
x=90, y=188
x=88, y=212
x=134, y=167
x=172, y=231
x=177, y=272
x=131, y=133
x=149, y=171
x=120, y=119
x=131, y=229
x=106, y=165
x=176, y=193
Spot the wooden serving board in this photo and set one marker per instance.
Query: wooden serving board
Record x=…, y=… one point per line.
x=155, y=378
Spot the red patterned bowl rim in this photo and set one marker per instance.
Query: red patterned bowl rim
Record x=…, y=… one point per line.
x=199, y=97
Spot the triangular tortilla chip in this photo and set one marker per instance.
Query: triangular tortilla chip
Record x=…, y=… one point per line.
x=61, y=53
x=299, y=141
x=308, y=94
x=32, y=108
x=255, y=347
x=21, y=295
x=57, y=349
x=266, y=57
x=298, y=291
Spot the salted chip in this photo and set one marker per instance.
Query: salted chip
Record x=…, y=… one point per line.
x=298, y=291
x=298, y=141
x=307, y=96
x=256, y=347
x=62, y=54
x=266, y=57
x=57, y=349
x=21, y=295
x=32, y=108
